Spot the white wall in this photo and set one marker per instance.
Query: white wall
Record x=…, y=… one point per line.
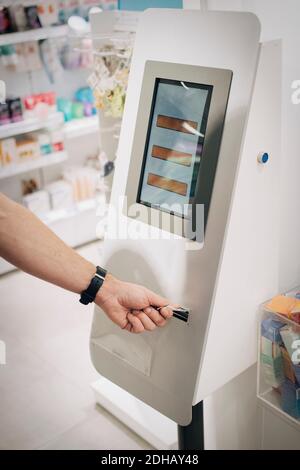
x=280, y=19
x=232, y=419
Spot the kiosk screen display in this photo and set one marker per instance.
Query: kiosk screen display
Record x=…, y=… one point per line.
x=174, y=145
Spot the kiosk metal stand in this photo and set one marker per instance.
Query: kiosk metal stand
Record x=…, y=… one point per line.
x=191, y=437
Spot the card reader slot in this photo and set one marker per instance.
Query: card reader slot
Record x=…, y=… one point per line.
x=181, y=313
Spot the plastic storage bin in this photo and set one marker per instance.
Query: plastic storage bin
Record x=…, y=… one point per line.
x=279, y=361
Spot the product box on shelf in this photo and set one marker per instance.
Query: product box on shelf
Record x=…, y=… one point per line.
x=57, y=140
x=44, y=143
x=15, y=109
x=18, y=17
x=38, y=202
x=27, y=148
x=6, y=21
x=82, y=105
x=84, y=182
x=4, y=114
x=279, y=354
x=39, y=105
x=32, y=17
x=11, y=111
x=48, y=12
x=8, y=151
x=61, y=194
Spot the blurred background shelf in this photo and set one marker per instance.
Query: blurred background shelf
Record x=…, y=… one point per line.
x=34, y=164
x=81, y=127
x=79, y=207
x=81, y=137
x=30, y=125
x=34, y=35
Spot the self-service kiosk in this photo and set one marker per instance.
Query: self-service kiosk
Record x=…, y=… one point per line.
x=201, y=127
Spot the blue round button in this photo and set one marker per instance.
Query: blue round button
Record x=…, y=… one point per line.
x=263, y=157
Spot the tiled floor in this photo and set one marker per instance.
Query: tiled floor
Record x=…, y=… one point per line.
x=45, y=396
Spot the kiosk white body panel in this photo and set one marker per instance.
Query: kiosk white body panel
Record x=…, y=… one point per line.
x=177, y=366
x=249, y=269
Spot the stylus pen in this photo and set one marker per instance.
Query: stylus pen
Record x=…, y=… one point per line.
x=180, y=313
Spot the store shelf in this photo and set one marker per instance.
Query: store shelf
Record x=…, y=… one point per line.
x=81, y=127
x=30, y=125
x=41, y=162
x=60, y=214
x=34, y=35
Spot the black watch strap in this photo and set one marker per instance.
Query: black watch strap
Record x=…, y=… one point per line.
x=89, y=294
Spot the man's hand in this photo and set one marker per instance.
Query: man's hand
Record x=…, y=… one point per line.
x=131, y=306
x=29, y=244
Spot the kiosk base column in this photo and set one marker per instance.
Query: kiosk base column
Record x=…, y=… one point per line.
x=191, y=437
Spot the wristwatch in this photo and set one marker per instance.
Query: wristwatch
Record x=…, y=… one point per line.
x=89, y=294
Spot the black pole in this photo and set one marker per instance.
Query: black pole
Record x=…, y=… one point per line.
x=191, y=437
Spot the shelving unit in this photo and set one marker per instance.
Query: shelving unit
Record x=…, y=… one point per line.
x=30, y=125
x=76, y=225
x=34, y=164
x=74, y=128
x=34, y=35
x=62, y=214
x=81, y=127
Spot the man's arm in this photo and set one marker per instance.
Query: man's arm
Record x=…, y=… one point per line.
x=31, y=246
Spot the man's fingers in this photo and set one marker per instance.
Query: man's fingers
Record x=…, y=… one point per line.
x=155, y=316
x=128, y=326
x=166, y=311
x=137, y=325
x=156, y=300
x=148, y=324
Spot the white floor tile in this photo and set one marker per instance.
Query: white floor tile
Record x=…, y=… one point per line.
x=36, y=413
x=39, y=311
x=23, y=367
x=100, y=431
x=45, y=395
x=69, y=354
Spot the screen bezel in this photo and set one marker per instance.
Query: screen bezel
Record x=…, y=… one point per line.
x=220, y=81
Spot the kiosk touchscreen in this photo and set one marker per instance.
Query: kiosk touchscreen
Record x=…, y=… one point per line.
x=174, y=144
